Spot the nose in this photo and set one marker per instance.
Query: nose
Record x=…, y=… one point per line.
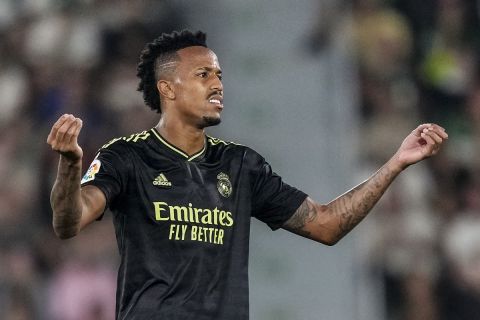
x=217, y=84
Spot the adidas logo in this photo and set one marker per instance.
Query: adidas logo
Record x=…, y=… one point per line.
x=161, y=181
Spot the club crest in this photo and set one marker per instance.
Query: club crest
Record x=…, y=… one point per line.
x=224, y=186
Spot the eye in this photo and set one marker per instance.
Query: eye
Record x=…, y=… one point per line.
x=220, y=76
x=203, y=74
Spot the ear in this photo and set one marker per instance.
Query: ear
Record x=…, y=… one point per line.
x=166, y=89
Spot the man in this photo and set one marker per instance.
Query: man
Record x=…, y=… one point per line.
x=182, y=200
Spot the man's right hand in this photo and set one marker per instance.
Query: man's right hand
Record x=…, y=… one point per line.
x=73, y=207
x=63, y=137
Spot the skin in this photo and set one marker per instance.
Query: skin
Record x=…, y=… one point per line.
x=185, y=96
x=328, y=223
x=187, y=109
x=73, y=207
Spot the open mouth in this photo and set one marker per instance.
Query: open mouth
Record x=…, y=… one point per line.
x=216, y=101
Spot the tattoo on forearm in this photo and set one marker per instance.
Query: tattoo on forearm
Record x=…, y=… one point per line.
x=354, y=205
x=65, y=199
x=329, y=223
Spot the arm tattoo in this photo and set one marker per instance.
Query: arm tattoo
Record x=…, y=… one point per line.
x=304, y=214
x=329, y=223
x=65, y=199
x=354, y=205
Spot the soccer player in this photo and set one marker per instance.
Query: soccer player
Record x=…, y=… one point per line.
x=182, y=200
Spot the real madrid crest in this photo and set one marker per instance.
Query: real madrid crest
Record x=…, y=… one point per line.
x=223, y=185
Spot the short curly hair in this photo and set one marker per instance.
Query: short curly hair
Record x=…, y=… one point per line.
x=156, y=59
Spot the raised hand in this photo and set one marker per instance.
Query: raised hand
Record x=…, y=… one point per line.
x=423, y=142
x=63, y=137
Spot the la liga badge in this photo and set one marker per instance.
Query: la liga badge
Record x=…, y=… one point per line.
x=92, y=171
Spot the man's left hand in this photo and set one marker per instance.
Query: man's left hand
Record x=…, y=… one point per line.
x=423, y=142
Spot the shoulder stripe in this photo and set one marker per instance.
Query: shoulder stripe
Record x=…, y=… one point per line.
x=214, y=141
x=133, y=137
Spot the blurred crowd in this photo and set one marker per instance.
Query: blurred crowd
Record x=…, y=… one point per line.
x=418, y=62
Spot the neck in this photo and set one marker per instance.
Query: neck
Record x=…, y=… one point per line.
x=187, y=138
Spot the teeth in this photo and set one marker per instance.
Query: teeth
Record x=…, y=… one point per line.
x=214, y=101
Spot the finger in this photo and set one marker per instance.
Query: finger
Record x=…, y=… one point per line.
x=53, y=132
x=425, y=136
x=435, y=127
x=418, y=130
x=63, y=129
x=79, y=128
x=438, y=130
x=441, y=132
x=435, y=136
x=74, y=131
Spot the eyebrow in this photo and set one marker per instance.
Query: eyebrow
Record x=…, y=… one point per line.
x=210, y=69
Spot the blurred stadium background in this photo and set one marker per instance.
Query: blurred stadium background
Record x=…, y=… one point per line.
x=324, y=89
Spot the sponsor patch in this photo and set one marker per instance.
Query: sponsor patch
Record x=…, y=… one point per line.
x=92, y=171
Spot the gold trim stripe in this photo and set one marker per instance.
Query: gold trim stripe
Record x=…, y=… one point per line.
x=198, y=153
x=165, y=142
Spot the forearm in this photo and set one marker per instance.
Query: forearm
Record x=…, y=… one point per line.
x=328, y=223
x=331, y=222
x=66, y=199
x=350, y=208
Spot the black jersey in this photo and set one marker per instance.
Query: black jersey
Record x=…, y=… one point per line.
x=182, y=223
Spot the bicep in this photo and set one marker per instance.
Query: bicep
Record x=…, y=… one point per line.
x=93, y=204
x=314, y=221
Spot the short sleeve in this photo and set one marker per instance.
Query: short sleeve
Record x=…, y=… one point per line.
x=109, y=172
x=274, y=201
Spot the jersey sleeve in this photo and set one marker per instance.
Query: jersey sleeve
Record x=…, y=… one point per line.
x=274, y=201
x=109, y=172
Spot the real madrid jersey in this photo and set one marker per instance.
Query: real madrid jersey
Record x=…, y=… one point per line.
x=182, y=223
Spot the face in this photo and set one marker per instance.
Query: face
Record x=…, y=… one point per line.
x=198, y=88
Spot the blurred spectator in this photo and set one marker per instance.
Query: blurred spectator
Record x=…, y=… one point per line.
x=21, y=285
x=418, y=62
x=84, y=282
x=459, y=285
x=447, y=62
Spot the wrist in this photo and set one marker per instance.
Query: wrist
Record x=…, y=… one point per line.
x=396, y=164
x=73, y=163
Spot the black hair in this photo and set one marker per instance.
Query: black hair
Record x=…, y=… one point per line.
x=155, y=58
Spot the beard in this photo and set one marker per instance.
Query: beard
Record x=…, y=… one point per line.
x=209, y=122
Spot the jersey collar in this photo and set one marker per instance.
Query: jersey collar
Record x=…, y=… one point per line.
x=196, y=156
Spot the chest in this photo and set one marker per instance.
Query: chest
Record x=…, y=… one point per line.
x=184, y=181
x=188, y=201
